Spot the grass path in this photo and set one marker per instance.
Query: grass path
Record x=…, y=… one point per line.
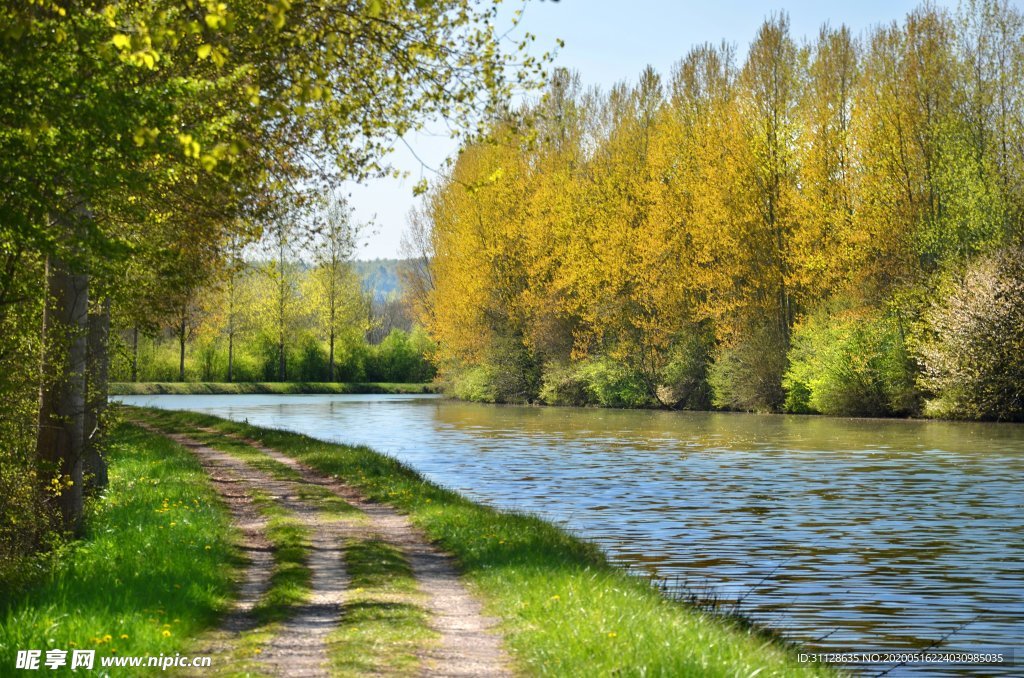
x=458, y=639
x=468, y=644
x=298, y=646
x=253, y=542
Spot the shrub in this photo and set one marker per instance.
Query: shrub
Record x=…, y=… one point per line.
x=514, y=372
x=564, y=384
x=351, y=360
x=28, y=521
x=207, y=360
x=308, y=360
x=973, y=361
x=246, y=366
x=509, y=374
x=158, y=360
x=747, y=374
x=423, y=347
x=612, y=384
x=684, y=380
x=476, y=384
x=401, y=358
x=265, y=348
x=851, y=363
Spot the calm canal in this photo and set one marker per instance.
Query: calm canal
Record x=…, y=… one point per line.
x=849, y=535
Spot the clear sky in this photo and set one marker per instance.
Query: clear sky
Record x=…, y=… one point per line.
x=608, y=41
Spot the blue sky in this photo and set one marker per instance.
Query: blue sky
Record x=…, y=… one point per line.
x=608, y=41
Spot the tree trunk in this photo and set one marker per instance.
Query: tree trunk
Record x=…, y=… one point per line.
x=281, y=364
x=330, y=361
x=135, y=354
x=94, y=466
x=181, y=351
x=61, y=439
x=231, y=357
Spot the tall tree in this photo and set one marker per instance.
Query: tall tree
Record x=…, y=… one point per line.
x=333, y=288
x=253, y=98
x=763, y=213
x=822, y=257
x=279, y=307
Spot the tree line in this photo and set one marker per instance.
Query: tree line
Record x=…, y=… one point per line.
x=144, y=144
x=291, y=307
x=826, y=226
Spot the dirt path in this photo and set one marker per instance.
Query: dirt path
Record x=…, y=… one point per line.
x=299, y=647
x=470, y=645
x=234, y=488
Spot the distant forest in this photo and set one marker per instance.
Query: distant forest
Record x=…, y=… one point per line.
x=379, y=276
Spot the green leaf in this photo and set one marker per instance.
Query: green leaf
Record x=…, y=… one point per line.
x=204, y=51
x=121, y=41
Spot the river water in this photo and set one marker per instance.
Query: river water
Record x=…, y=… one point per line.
x=845, y=534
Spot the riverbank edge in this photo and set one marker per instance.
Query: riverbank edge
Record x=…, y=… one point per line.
x=124, y=388
x=561, y=603
x=444, y=390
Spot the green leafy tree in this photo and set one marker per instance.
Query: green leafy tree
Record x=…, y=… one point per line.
x=332, y=290
x=119, y=119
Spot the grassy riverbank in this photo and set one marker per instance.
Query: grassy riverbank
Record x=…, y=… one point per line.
x=564, y=609
x=154, y=569
x=264, y=387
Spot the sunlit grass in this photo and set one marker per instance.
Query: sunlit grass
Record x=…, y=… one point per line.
x=326, y=501
x=384, y=628
x=291, y=576
x=565, y=609
x=154, y=569
x=289, y=587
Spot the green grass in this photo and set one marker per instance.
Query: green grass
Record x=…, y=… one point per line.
x=266, y=387
x=288, y=537
x=154, y=569
x=328, y=502
x=288, y=588
x=290, y=579
x=565, y=609
x=383, y=629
